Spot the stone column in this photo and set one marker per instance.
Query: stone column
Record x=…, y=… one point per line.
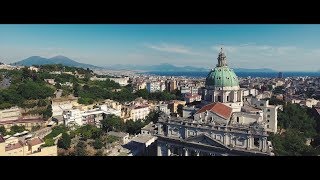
x=225, y=138
x=235, y=97
x=260, y=144
x=264, y=144
x=198, y=153
x=248, y=143
x=159, y=150
x=240, y=94
x=168, y=150
x=186, y=153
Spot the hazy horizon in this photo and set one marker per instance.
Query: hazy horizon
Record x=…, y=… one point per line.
x=278, y=47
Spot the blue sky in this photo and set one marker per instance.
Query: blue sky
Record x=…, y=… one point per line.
x=280, y=47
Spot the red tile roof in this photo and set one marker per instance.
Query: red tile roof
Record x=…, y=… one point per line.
x=14, y=146
x=20, y=120
x=140, y=107
x=218, y=108
x=34, y=141
x=1, y=139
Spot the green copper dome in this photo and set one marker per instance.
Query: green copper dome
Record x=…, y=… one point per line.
x=222, y=76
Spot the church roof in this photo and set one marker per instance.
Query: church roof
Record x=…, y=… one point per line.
x=222, y=75
x=218, y=108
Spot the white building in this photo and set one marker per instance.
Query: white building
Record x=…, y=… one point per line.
x=122, y=81
x=73, y=117
x=247, y=92
x=55, y=72
x=162, y=86
x=153, y=86
x=139, y=112
x=94, y=116
x=269, y=113
x=189, y=98
x=94, y=78
x=164, y=108
x=32, y=68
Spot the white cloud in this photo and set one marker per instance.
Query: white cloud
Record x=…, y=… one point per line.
x=288, y=58
x=172, y=48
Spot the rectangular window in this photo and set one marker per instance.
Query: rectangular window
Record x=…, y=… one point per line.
x=267, y=126
x=261, y=104
x=238, y=119
x=268, y=110
x=227, y=98
x=268, y=115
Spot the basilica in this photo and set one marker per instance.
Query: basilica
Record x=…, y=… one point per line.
x=228, y=123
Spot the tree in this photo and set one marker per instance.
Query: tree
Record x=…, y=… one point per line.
x=279, y=90
x=58, y=85
x=80, y=149
x=17, y=129
x=26, y=73
x=3, y=130
x=294, y=116
x=153, y=116
x=35, y=128
x=49, y=142
x=111, y=139
x=42, y=102
x=99, y=153
x=76, y=89
x=274, y=101
x=48, y=112
x=65, y=141
x=98, y=144
x=134, y=127
x=34, y=90
x=112, y=123
x=142, y=93
x=89, y=132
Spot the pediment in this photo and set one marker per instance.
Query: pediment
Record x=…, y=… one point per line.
x=204, y=139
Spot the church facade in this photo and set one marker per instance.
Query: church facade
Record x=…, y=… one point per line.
x=225, y=124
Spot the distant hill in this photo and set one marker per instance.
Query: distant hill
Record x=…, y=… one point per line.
x=172, y=68
x=253, y=70
x=37, y=60
x=165, y=67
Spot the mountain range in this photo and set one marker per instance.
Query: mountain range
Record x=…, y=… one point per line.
x=172, y=68
x=165, y=67
x=37, y=60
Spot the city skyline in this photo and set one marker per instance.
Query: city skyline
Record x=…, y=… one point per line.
x=278, y=47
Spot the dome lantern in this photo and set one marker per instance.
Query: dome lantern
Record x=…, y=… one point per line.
x=222, y=75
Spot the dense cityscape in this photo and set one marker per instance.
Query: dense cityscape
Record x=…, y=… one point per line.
x=59, y=110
